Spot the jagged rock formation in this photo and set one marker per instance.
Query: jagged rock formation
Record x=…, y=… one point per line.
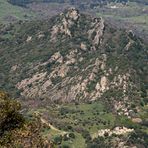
x=97, y=29
x=67, y=21
x=74, y=57
x=116, y=131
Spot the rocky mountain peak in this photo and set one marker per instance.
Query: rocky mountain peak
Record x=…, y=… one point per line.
x=73, y=14
x=71, y=20
x=67, y=19
x=77, y=57
x=97, y=28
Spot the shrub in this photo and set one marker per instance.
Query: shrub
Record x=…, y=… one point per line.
x=58, y=139
x=72, y=135
x=65, y=146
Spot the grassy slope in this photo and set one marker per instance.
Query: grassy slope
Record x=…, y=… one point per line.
x=6, y=9
x=136, y=15
x=89, y=117
x=83, y=116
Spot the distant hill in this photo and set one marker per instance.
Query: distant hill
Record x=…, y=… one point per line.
x=73, y=2
x=129, y=15
x=13, y=13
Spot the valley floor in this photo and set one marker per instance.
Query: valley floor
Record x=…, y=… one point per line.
x=76, y=125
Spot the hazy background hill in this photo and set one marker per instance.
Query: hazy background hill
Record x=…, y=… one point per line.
x=78, y=2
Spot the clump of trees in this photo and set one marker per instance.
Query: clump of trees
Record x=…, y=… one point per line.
x=59, y=138
x=15, y=130
x=10, y=117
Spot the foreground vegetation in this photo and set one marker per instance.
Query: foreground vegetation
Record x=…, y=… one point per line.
x=66, y=126
x=76, y=124
x=15, y=129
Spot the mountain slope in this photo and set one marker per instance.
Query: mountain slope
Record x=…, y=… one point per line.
x=74, y=57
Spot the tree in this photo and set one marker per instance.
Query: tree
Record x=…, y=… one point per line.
x=72, y=135
x=14, y=127
x=58, y=139
x=10, y=117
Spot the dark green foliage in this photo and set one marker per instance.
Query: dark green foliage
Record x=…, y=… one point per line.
x=72, y=135
x=139, y=138
x=9, y=114
x=58, y=139
x=99, y=143
x=14, y=127
x=124, y=121
x=86, y=135
x=91, y=86
x=65, y=146
x=56, y=80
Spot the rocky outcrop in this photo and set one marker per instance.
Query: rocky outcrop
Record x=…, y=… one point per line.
x=115, y=131
x=67, y=21
x=70, y=21
x=61, y=85
x=29, y=38
x=96, y=33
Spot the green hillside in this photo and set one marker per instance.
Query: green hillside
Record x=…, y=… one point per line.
x=10, y=13
x=84, y=79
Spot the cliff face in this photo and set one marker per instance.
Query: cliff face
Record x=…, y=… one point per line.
x=74, y=57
